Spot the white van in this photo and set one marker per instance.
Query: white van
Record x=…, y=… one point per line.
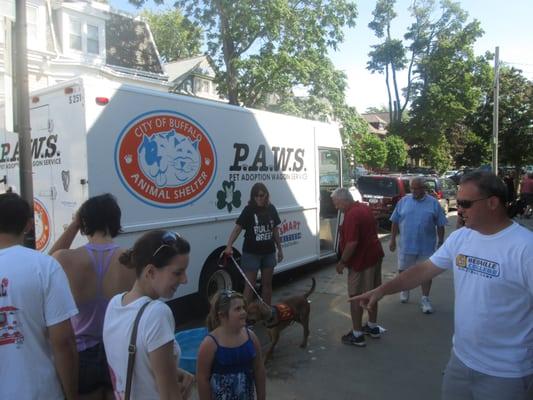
x=178, y=163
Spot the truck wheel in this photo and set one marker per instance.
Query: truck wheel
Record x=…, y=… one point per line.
x=215, y=278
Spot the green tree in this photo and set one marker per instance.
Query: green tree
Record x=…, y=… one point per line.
x=438, y=155
x=389, y=54
x=396, y=152
x=476, y=151
x=446, y=83
x=353, y=130
x=264, y=48
x=373, y=151
x=175, y=36
x=515, y=118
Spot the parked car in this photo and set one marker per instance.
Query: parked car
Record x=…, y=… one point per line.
x=444, y=189
x=382, y=192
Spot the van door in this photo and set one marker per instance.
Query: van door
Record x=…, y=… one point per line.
x=329, y=171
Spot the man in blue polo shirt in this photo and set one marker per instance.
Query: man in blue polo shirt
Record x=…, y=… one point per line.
x=419, y=219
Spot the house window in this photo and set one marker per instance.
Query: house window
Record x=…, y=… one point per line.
x=32, y=20
x=92, y=39
x=75, y=34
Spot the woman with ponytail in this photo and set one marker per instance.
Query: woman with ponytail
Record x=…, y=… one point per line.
x=229, y=359
x=160, y=260
x=95, y=275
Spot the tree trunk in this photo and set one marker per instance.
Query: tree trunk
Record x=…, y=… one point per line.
x=228, y=49
x=398, y=110
x=388, y=91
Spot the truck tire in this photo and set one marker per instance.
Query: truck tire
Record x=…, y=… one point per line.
x=214, y=278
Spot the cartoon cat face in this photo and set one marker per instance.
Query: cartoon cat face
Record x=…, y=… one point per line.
x=169, y=158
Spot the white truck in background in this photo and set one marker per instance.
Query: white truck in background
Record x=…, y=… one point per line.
x=178, y=163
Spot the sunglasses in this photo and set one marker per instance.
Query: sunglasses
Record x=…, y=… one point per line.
x=228, y=294
x=468, y=203
x=261, y=195
x=168, y=239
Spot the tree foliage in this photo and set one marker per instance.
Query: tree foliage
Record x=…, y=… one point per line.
x=373, y=151
x=175, y=36
x=389, y=55
x=515, y=118
x=396, y=152
x=264, y=48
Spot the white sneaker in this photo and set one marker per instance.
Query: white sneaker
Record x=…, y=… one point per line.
x=404, y=296
x=426, y=305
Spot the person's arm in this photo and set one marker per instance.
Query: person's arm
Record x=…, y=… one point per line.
x=347, y=253
x=67, y=237
x=63, y=344
x=163, y=363
x=410, y=279
x=277, y=240
x=259, y=369
x=232, y=237
x=204, y=362
x=393, y=234
x=440, y=235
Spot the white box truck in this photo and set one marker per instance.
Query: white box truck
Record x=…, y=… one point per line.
x=178, y=163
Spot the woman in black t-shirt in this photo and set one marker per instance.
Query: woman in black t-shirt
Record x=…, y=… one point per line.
x=260, y=221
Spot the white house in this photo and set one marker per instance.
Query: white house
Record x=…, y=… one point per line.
x=73, y=38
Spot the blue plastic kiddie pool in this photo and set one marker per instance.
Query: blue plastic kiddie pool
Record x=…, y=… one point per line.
x=189, y=342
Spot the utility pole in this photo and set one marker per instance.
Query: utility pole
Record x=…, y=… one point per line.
x=22, y=111
x=495, y=111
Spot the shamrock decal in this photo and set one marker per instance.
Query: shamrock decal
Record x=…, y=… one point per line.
x=228, y=196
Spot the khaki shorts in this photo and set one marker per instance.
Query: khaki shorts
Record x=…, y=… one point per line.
x=365, y=280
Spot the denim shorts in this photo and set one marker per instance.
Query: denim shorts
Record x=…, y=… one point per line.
x=94, y=371
x=254, y=262
x=405, y=261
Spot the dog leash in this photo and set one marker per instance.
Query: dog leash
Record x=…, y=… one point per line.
x=223, y=255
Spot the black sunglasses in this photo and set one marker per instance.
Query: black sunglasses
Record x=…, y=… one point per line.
x=168, y=239
x=468, y=203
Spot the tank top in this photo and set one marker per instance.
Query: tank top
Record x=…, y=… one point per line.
x=89, y=322
x=232, y=375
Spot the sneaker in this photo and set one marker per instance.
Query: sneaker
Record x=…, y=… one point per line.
x=372, y=332
x=350, y=338
x=404, y=296
x=426, y=305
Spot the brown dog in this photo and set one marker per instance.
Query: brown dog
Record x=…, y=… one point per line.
x=280, y=316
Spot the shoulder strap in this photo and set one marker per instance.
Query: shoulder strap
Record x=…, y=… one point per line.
x=132, y=349
x=214, y=339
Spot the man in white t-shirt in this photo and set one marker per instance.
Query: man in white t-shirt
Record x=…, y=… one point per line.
x=492, y=262
x=38, y=357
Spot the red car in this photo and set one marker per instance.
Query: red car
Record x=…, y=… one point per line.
x=382, y=192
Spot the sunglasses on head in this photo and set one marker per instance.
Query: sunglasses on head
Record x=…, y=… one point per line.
x=228, y=294
x=468, y=203
x=168, y=239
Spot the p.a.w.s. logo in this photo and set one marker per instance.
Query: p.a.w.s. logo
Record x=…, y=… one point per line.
x=165, y=159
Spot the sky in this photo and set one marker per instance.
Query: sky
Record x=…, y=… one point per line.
x=507, y=24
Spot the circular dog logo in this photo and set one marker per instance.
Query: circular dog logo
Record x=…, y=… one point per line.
x=165, y=159
x=42, y=225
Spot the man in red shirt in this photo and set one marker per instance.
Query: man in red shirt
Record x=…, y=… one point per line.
x=361, y=254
